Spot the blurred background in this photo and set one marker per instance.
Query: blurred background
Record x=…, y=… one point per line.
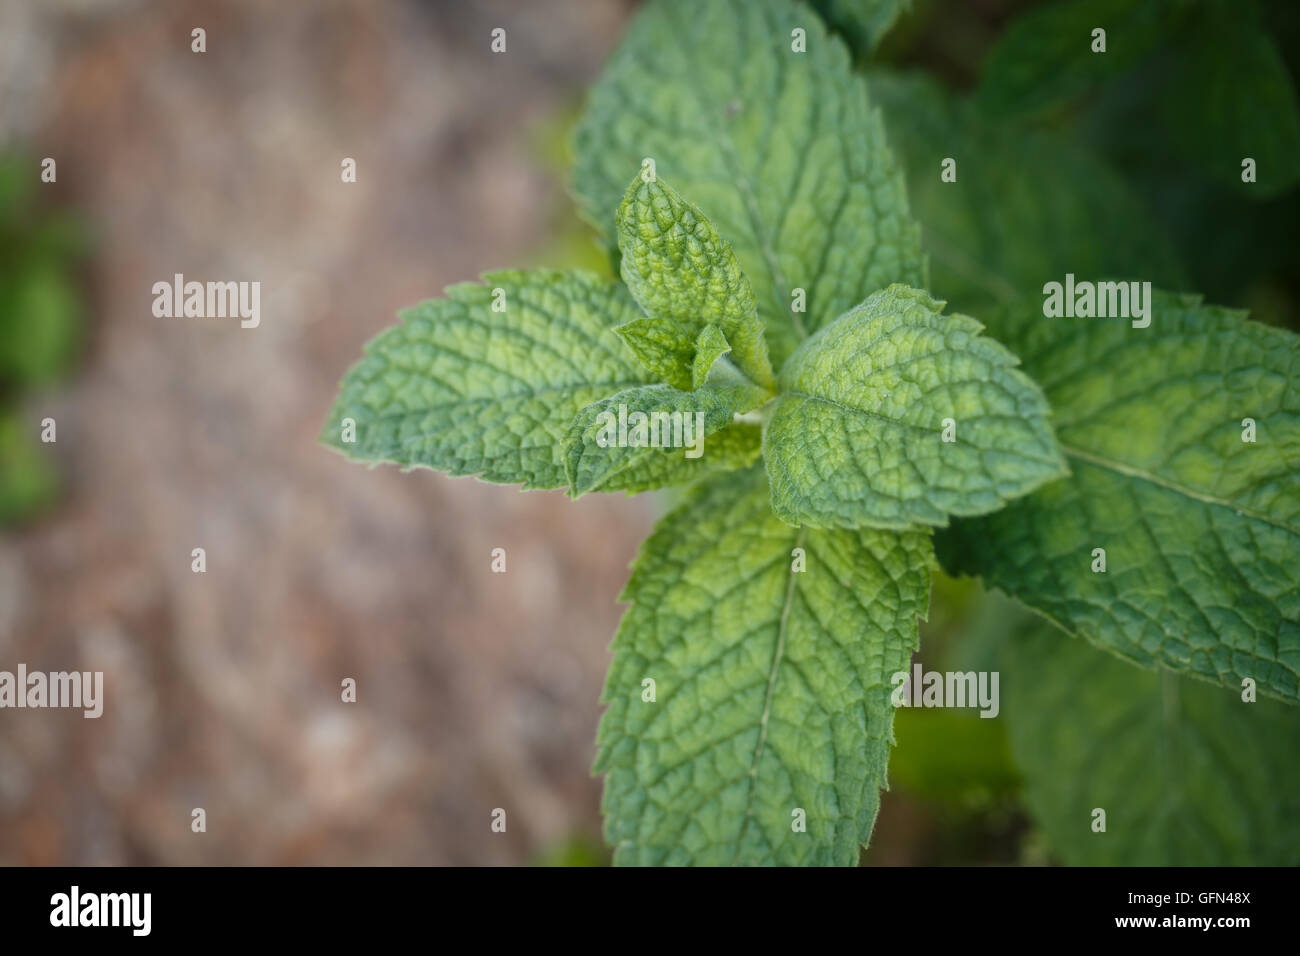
x=474, y=690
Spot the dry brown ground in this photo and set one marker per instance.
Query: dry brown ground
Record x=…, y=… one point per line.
x=476, y=690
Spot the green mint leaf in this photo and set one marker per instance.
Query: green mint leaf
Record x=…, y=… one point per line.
x=685, y=275
x=1200, y=529
x=895, y=414
x=735, y=446
x=486, y=381
x=662, y=349
x=1187, y=774
x=623, y=431
x=710, y=345
x=1046, y=58
x=771, y=686
x=778, y=147
x=862, y=23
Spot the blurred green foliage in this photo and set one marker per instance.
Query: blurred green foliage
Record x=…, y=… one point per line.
x=28, y=482
x=1186, y=772
x=955, y=756
x=578, y=850
x=40, y=328
x=952, y=756
x=1027, y=207
x=1123, y=164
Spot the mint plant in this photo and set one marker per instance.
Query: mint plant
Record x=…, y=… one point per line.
x=774, y=291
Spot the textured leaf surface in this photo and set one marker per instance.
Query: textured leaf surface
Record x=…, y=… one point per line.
x=772, y=687
x=1201, y=530
x=468, y=390
x=686, y=277
x=779, y=148
x=662, y=348
x=735, y=446
x=1188, y=774
x=855, y=440
x=593, y=467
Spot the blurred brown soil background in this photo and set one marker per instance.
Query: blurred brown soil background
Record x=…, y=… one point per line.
x=475, y=690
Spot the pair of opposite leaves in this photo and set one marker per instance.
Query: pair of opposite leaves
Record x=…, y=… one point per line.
x=853, y=435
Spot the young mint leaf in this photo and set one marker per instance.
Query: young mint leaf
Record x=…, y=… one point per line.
x=661, y=348
x=1200, y=529
x=735, y=446
x=686, y=277
x=681, y=421
x=710, y=345
x=895, y=414
x=779, y=148
x=769, y=705
x=487, y=380
x=1187, y=774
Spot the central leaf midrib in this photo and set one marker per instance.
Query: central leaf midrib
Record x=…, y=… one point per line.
x=1129, y=471
x=727, y=149
x=777, y=654
x=460, y=401
x=893, y=421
